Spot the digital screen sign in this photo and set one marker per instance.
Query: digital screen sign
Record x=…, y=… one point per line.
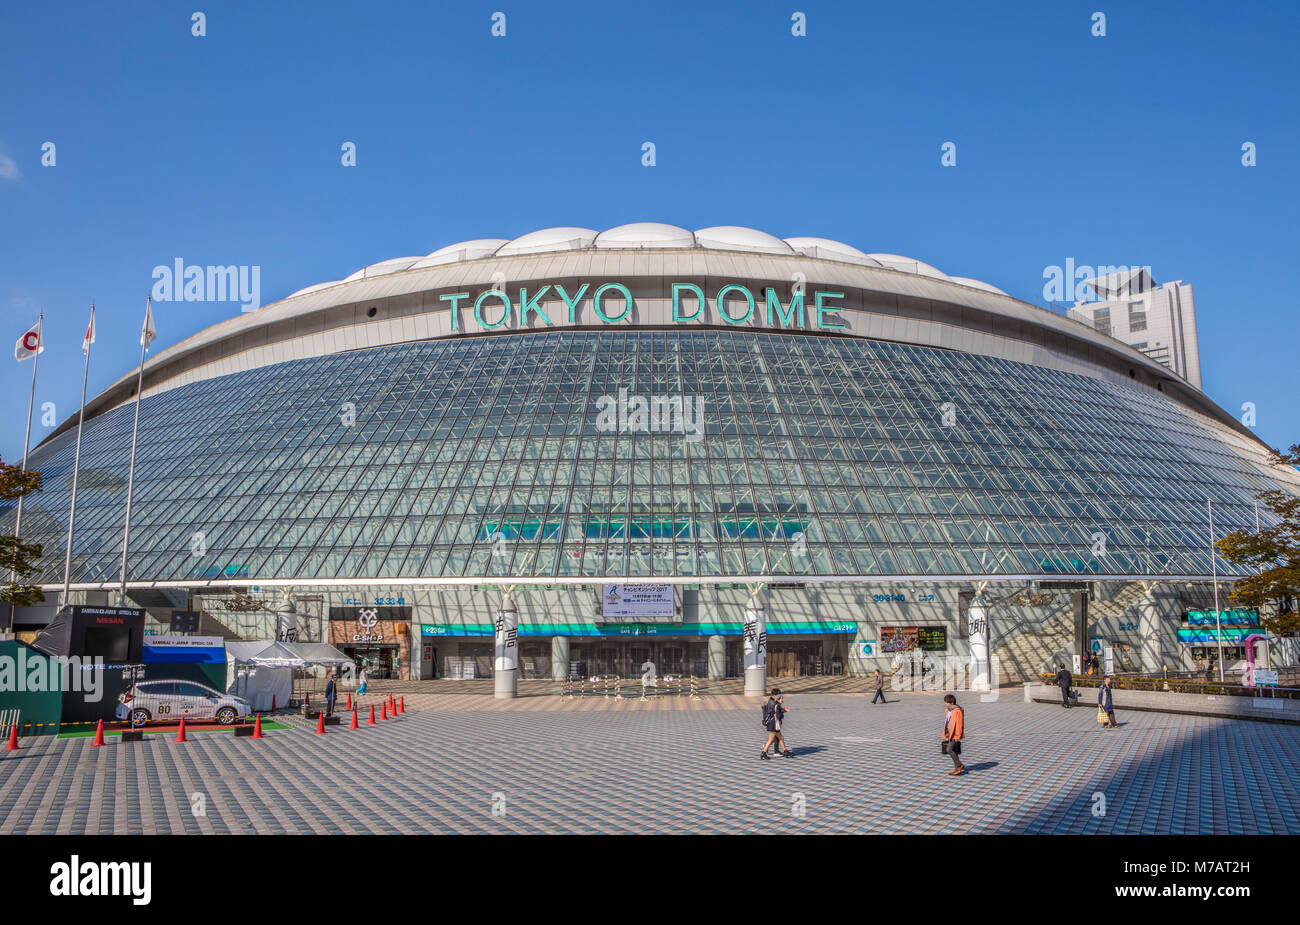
x=637, y=602
x=1226, y=617
x=932, y=638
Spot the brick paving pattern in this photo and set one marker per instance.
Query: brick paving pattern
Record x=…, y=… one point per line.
x=672, y=765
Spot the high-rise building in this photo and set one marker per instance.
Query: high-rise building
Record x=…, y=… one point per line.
x=1159, y=320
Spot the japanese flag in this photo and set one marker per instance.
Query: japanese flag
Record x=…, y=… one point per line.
x=90, y=333
x=30, y=344
x=147, y=333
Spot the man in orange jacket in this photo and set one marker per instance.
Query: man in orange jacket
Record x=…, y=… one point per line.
x=953, y=730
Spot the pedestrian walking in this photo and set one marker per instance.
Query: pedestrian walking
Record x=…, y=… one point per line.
x=362, y=678
x=1106, y=705
x=954, y=730
x=773, y=714
x=1063, y=680
x=879, y=681
x=331, y=694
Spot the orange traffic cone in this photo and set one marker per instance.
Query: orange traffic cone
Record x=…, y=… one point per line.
x=13, y=738
x=180, y=733
x=257, y=727
x=349, y=700
x=401, y=704
x=371, y=721
x=99, y=735
x=354, y=720
x=383, y=708
x=320, y=724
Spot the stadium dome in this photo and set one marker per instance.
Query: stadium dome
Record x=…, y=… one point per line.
x=870, y=439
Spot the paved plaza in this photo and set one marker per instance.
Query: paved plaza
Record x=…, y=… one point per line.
x=464, y=763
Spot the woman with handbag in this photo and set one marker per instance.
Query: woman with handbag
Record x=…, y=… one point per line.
x=1105, y=706
x=954, y=728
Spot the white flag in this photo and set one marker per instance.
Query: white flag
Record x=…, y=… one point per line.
x=147, y=333
x=90, y=333
x=30, y=344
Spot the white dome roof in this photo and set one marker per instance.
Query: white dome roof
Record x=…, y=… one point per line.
x=657, y=235
x=645, y=234
x=465, y=250
x=549, y=239
x=908, y=265
x=738, y=238
x=827, y=249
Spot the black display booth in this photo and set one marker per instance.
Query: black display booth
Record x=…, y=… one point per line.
x=115, y=634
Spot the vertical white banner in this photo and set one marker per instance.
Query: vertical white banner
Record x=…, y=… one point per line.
x=507, y=640
x=755, y=640
x=977, y=626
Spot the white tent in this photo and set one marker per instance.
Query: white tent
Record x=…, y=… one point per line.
x=260, y=683
x=260, y=671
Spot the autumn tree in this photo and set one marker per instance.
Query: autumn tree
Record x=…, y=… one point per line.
x=16, y=557
x=1273, y=554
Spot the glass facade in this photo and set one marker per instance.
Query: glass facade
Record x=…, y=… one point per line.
x=486, y=456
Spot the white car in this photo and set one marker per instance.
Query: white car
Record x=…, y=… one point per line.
x=167, y=701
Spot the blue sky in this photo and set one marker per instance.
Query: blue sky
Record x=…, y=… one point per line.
x=225, y=149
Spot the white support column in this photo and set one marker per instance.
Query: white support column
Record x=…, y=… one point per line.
x=717, y=664
x=559, y=657
x=1151, y=652
x=506, y=646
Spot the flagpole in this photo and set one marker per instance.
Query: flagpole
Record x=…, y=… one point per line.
x=76, y=462
x=27, y=438
x=1214, y=566
x=130, y=472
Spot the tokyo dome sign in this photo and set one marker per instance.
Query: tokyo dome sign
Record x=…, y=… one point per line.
x=612, y=303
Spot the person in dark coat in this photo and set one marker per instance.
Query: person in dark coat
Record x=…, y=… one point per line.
x=1104, y=701
x=1063, y=680
x=879, y=681
x=331, y=695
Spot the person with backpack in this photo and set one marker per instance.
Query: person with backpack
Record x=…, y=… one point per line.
x=773, y=713
x=954, y=729
x=1063, y=680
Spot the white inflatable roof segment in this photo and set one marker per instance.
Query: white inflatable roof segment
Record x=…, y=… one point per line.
x=827, y=249
x=976, y=284
x=308, y=289
x=909, y=265
x=383, y=267
x=738, y=238
x=464, y=250
x=549, y=239
x=645, y=234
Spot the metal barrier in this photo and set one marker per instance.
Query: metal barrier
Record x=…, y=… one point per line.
x=1175, y=685
x=610, y=687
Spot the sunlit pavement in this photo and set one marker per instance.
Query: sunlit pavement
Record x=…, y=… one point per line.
x=467, y=763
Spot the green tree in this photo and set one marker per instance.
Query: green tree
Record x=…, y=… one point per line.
x=1273, y=553
x=16, y=557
